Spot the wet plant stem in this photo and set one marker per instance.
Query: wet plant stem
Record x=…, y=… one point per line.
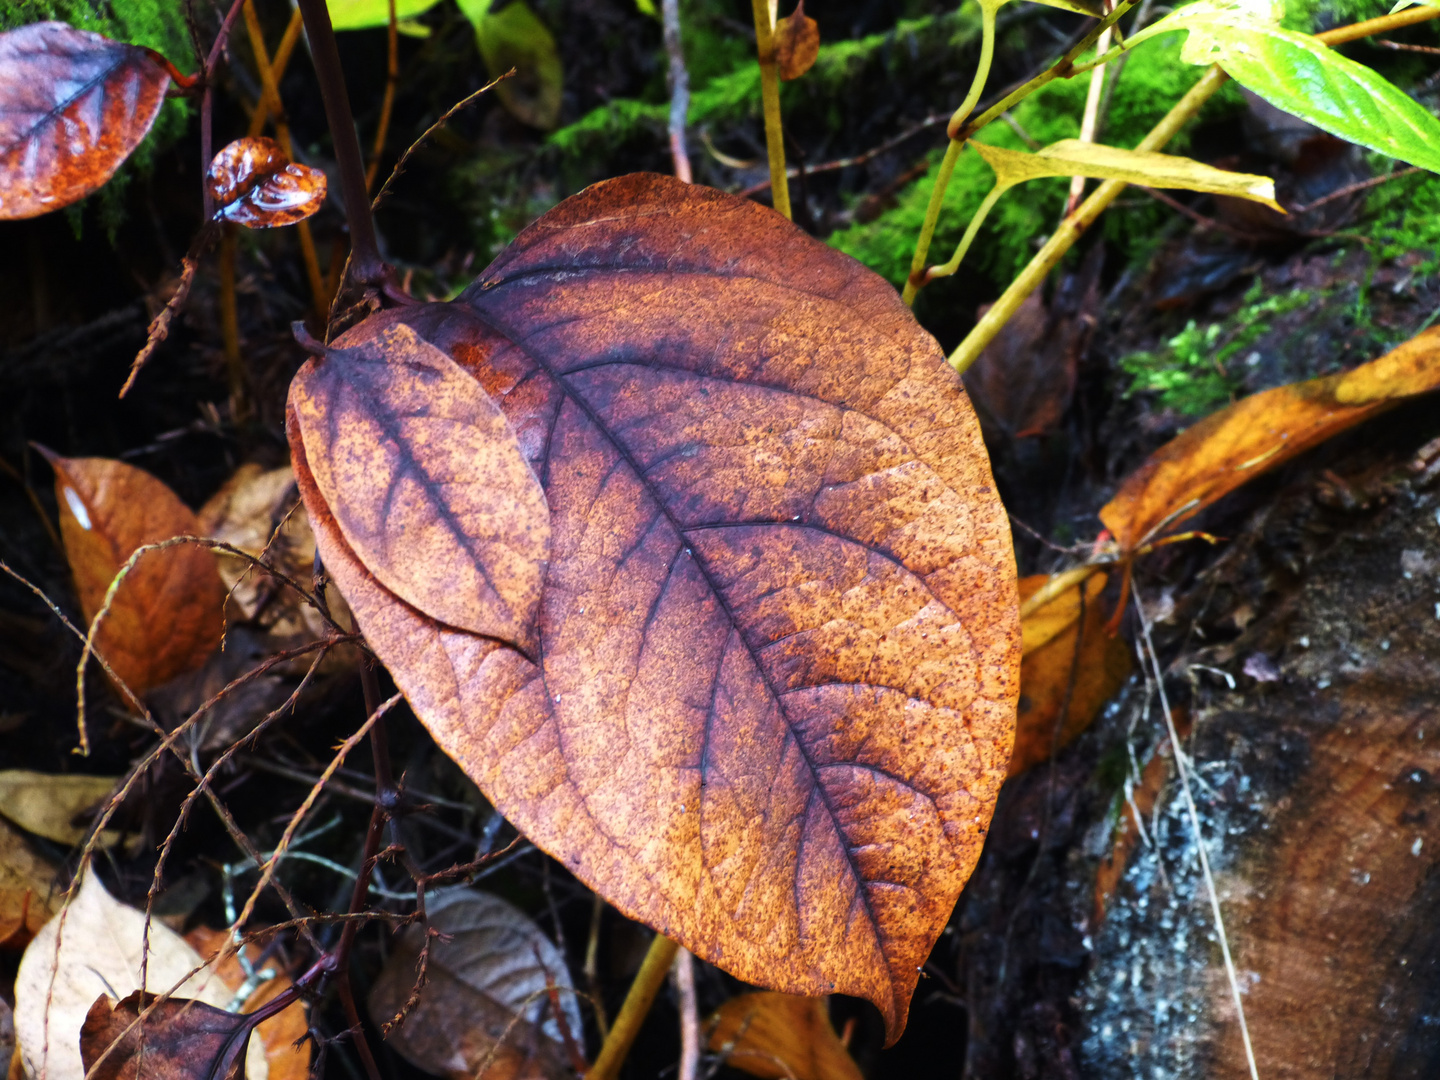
x=230, y=326
x=270, y=96
x=648, y=981
x=770, y=100
x=365, y=261
x=387, y=104
x=960, y=130
x=1074, y=226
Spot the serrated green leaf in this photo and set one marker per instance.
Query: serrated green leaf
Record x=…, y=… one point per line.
x=1300, y=75
x=364, y=14
x=514, y=37
x=1071, y=157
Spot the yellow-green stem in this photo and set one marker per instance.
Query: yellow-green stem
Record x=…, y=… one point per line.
x=1085, y=214
x=1074, y=226
x=648, y=980
x=950, y=267
x=952, y=152
x=932, y=216
x=770, y=99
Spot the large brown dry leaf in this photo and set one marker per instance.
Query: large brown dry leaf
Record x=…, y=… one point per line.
x=52, y=805
x=778, y=633
x=180, y=1039
x=254, y=184
x=1257, y=433
x=782, y=1037
x=1063, y=685
x=99, y=952
x=73, y=105
x=167, y=614
x=287, y=1051
x=427, y=482
x=495, y=965
x=28, y=892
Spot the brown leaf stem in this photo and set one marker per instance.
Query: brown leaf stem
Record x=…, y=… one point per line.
x=631, y=1017
x=369, y=268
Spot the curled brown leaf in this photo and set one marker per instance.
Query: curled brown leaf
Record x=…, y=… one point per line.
x=73, y=106
x=180, y=1039
x=254, y=184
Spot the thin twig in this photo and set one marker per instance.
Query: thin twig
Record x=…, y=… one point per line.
x=679, y=81
x=643, y=988
x=858, y=159
x=764, y=15
x=684, y=973
x=1184, y=774
x=160, y=325
x=445, y=118
x=1351, y=189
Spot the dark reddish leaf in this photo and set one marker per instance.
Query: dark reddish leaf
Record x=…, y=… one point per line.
x=167, y=615
x=183, y=1039
x=73, y=105
x=427, y=482
x=797, y=43
x=778, y=641
x=254, y=184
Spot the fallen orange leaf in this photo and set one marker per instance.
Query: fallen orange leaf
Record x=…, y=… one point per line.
x=167, y=614
x=1244, y=440
x=780, y=1036
x=1048, y=692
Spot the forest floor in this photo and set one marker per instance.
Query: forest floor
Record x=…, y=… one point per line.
x=1301, y=650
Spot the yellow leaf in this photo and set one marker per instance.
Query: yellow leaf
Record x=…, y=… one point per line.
x=1071, y=157
x=1411, y=368
x=363, y=14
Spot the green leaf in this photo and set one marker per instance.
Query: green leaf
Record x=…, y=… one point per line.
x=1300, y=75
x=364, y=14
x=1071, y=157
x=1093, y=8
x=513, y=37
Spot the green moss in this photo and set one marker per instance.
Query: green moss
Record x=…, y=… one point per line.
x=1191, y=374
x=156, y=24
x=1152, y=81
x=1404, y=216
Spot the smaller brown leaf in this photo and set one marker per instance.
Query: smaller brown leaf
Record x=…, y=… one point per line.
x=780, y=1036
x=427, y=482
x=1049, y=693
x=182, y=1039
x=73, y=106
x=255, y=185
x=28, y=892
x=1252, y=436
x=797, y=43
x=493, y=953
x=166, y=617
